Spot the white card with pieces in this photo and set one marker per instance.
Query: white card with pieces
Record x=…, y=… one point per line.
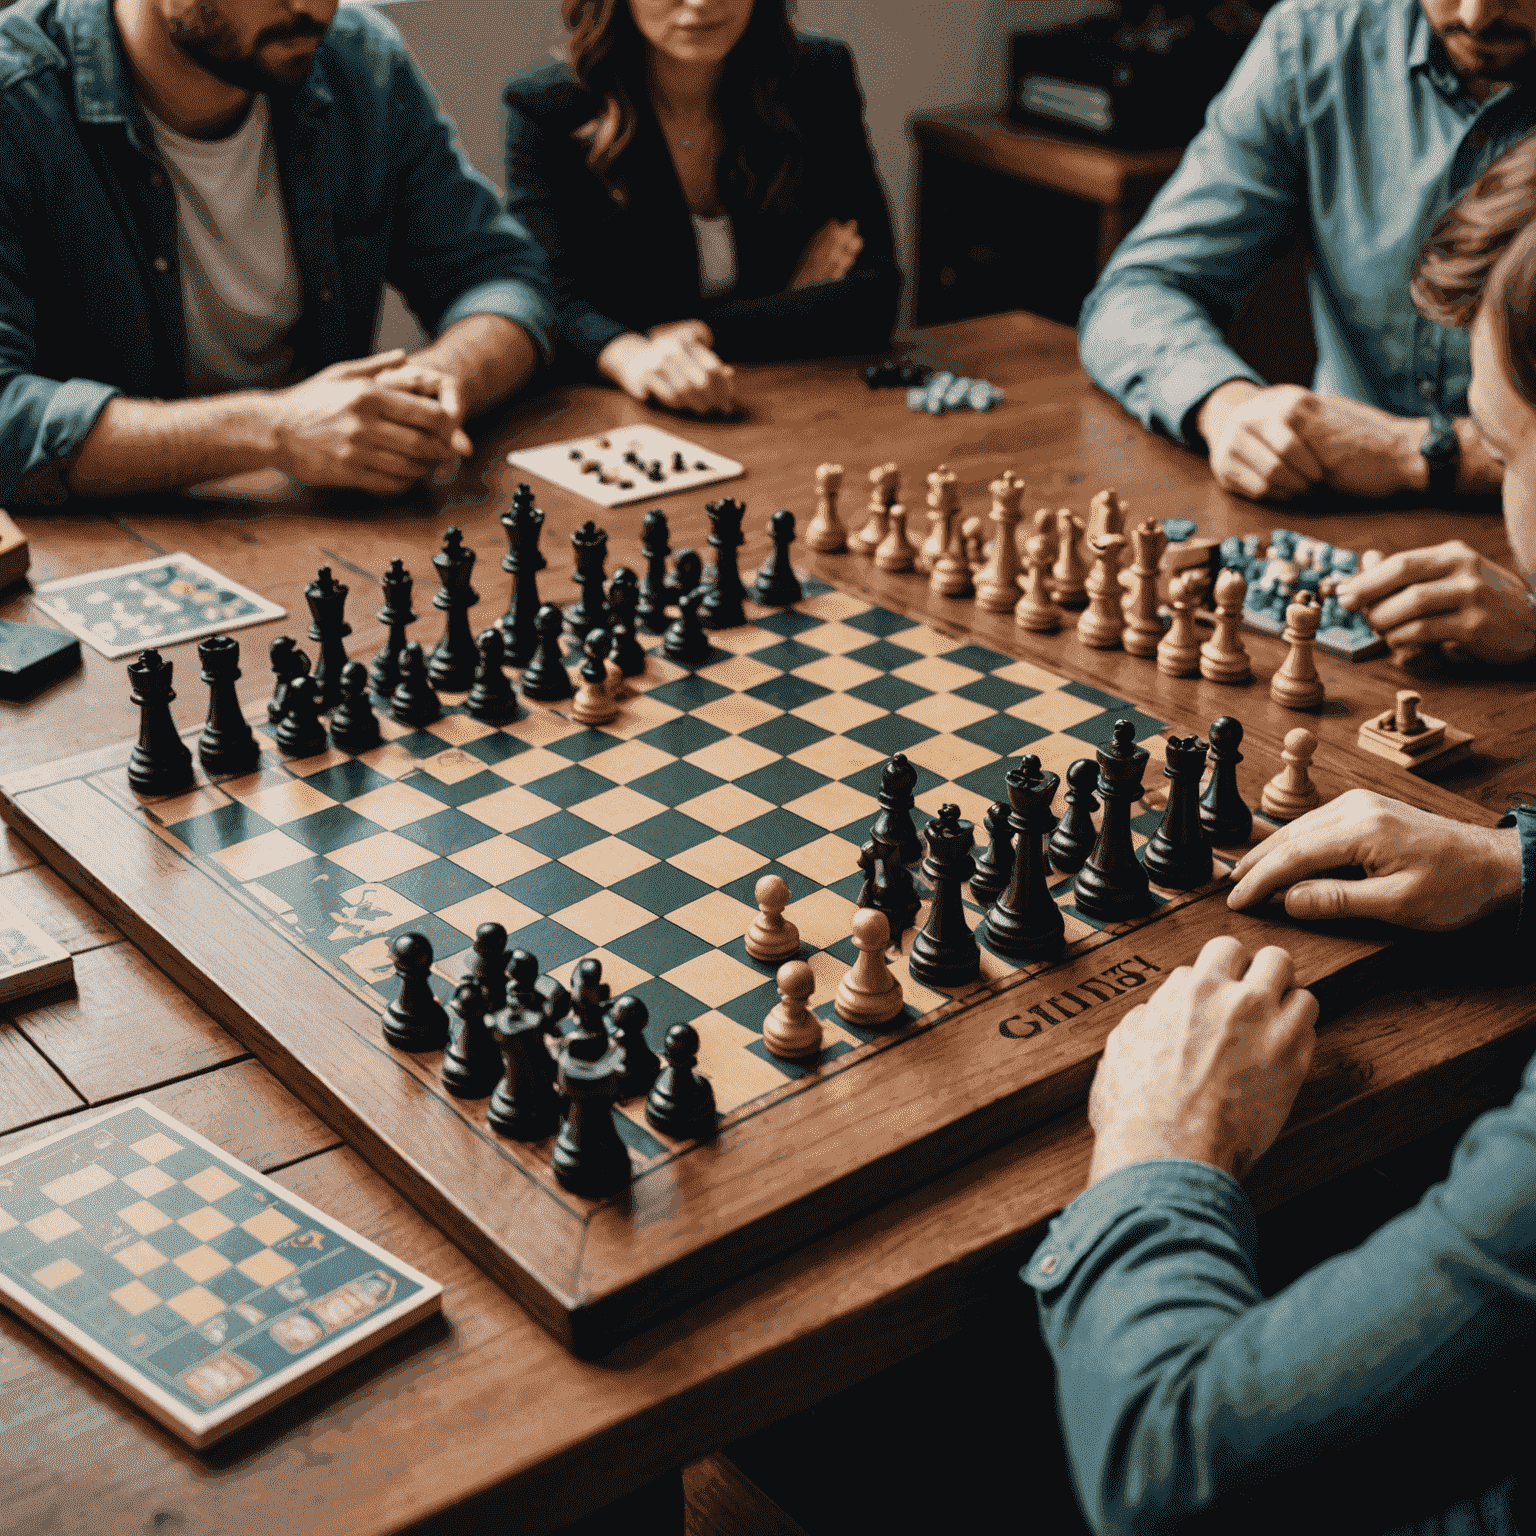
x=627, y=464
x=30, y=962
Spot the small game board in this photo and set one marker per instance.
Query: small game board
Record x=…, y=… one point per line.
x=152, y=603
x=30, y=962
x=204, y=1291
x=627, y=464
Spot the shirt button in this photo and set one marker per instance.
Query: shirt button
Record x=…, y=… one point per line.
x=156, y=179
x=1427, y=388
x=1048, y=1264
x=326, y=295
x=160, y=264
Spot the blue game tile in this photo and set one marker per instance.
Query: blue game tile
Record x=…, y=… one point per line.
x=744, y=889
x=638, y=1139
x=779, y=783
x=777, y=832
x=785, y=734
x=880, y=621
x=584, y=744
x=888, y=692
x=676, y=783
x=788, y=692
x=788, y=654
x=689, y=692
x=550, y=888
x=682, y=736
x=751, y=1008
x=868, y=780
x=883, y=656
x=570, y=786
x=667, y=1005
x=662, y=836
x=346, y=781
x=659, y=946
x=334, y=827
x=1002, y=734
x=978, y=658
x=216, y=830
x=552, y=944
x=788, y=622
x=890, y=733
x=446, y=832
x=662, y=888
x=559, y=834
x=476, y=787
x=498, y=747
x=1098, y=729
x=442, y=883
x=995, y=692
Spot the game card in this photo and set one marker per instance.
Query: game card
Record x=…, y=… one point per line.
x=30, y=961
x=204, y=1291
x=154, y=603
x=627, y=464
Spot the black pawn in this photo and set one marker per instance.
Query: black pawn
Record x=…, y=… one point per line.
x=414, y=702
x=287, y=662
x=626, y=1019
x=492, y=698
x=1024, y=923
x=161, y=763
x=227, y=745
x=523, y=561
x=327, y=598
x=995, y=866
x=415, y=1021
x=944, y=954
x=590, y=546
x=539, y=994
x=888, y=886
x=687, y=573
x=395, y=614
x=623, y=601
x=651, y=609
x=487, y=965
x=721, y=608
x=1179, y=855
x=898, y=781
x=545, y=677
x=526, y=1103
x=301, y=731
x=777, y=586
x=472, y=1064
x=588, y=1157
x=1072, y=841
x=1112, y=885
x=452, y=665
x=1226, y=819
x=354, y=726
x=686, y=640
x=589, y=997
x=682, y=1102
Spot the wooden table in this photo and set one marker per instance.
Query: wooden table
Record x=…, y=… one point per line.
x=485, y=1411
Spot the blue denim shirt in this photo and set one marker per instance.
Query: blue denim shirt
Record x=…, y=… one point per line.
x=1344, y=124
x=375, y=183
x=1182, y=1389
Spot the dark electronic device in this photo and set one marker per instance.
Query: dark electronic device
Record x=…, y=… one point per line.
x=32, y=655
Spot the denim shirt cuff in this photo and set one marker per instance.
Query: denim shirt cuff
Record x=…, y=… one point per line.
x=1191, y=376
x=1524, y=817
x=512, y=300
x=1161, y=1180
x=68, y=414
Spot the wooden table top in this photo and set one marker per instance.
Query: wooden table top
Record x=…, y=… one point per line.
x=484, y=1406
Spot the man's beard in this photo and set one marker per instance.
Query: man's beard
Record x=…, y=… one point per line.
x=211, y=48
x=1520, y=68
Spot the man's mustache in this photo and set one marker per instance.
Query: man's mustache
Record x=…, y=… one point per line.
x=300, y=26
x=1497, y=32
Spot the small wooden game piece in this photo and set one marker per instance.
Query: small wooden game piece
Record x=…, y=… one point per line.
x=896, y=552
x=1227, y=821
x=1411, y=740
x=227, y=745
x=1112, y=885
x=825, y=533
x=887, y=884
x=31, y=962
x=723, y=597
x=1178, y=652
x=686, y=640
x=588, y=1157
x=995, y=866
x=950, y=575
x=32, y=656
x=1296, y=685
x=492, y=697
x=974, y=543
x=1106, y=514
x=451, y=666
x=1189, y=554
x=1291, y=793
x=1102, y=620
x=772, y=938
x=287, y=662
x=526, y=1103
x=1179, y=855
x=472, y=1065
x=545, y=678
x=791, y=1030
x=997, y=582
x=651, y=609
x=869, y=996
x=415, y=1020
x=1143, y=628
x=898, y=783
x=1222, y=657
x=944, y=954
x=943, y=505
x=627, y=654
x=589, y=996
x=354, y=726
x=589, y=548
x=395, y=615
x=884, y=480
x=1035, y=611
x=682, y=1103
x=777, y=586
x=301, y=731
x=327, y=600
x=625, y=1020
x=1068, y=582
x=1073, y=840
x=1024, y=923
x=414, y=701
x=522, y=524
x=161, y=763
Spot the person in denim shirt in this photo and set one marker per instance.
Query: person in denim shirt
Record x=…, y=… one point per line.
x=146, y=148
x=1387, y=1389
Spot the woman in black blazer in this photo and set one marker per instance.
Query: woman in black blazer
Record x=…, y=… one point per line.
x=700, y=178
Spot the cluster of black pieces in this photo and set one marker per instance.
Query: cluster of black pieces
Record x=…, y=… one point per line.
x=500, y=1038
x=891, y=374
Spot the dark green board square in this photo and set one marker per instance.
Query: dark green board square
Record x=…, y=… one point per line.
x=570, y=786
x=883, y=656
x=995, y=692
x=682, y=736
x=798, y=1069
x=788, y=654
x=231, y=1286
x=659, y=947
x=446, y=832
x=666, y=1005
x=498, y=747
x=688, y=693
x=787, y=692
x=868, y=779
x=978, y=658
x=1002, y=734
x=890, y=693
x=1091, y=695
x=777, y=832
x=661, y=836
x=745, y=888
x=785, y=734
x=1099, y=729
x=235, y=1245
x=751, y=1008
x=346, y=781
x=879, y=621
x=637, y=1138
x=214, y=831
x=890, y=733
x=420, y=744
x=558, y=834
x=584, y=744
x=442, y=883
x=676, y=783
x=177, y=1201
x=789, y=622
x=476, y=787
x=662, y=888
x=549, y=888
x=553, y=944
x=779, y=783
x=334, y=827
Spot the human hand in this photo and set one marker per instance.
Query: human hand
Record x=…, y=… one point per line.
x=347, y=426
x=1447, y=592
x=829, y=254
x=1421, y=871
x=1208, y=1067
x=672, y=367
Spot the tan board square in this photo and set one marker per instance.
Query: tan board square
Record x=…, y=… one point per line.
x=394, y=762
x=380, y=857
x=1055, y=710
x=714, y=978
x=736, y=1074
x=488, y=907
x=945, y=712
x=828, y=859
x=824, y=918
x=718, y=862
x=836, y=639
x=838, y=712
x=263, y=855
x=538, y=763
x=60, y=1272
x=7, y=1221
x=156, y=1147
x=736, y=713
x=829, y=972
x=834, y=805
x=212, y=1183
x=452, y=766
x=140, y=1258
x=77, y=1185
x=618, y=974
x=52, y=1225
x=715, y=918
x=457, y=729
x=1028, y=675
x=952, y=757
x=285, y=802
x=934, y=673
x=201, y=1263
x=739, y=673
x=973, y=807
x=205, y=1224
x=498, y=860
x=919, y=998
x=196, y=802
x=195, y=1304
x=269, y=1226
x=306, y=767
x=732, y=758
x=837, y=757
x=603, y=916
x=833, y=606
x=265, y=1267
x=618, y=809
x=144, y=1218
x=1057, y=753
x=724, y=808
x=542, y=725
x=509, y=809
x=625, y=764
x=929, y=642
x=135, y=1298
x=640, y=713
x=746, y=639
x=395, y=806
x=839, y=673
x=609, y=861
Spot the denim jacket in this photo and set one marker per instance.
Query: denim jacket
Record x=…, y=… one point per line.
x=374, y=180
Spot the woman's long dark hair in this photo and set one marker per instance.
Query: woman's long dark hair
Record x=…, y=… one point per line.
x=763, y=156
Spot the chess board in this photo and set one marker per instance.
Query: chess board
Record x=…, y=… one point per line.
x=599, y=466
x=273, y=898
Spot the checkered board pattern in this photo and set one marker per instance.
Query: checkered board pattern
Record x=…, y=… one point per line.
x=640, y=843
x=188, y=1279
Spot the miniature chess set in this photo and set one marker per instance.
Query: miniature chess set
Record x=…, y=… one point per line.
x=627, y=464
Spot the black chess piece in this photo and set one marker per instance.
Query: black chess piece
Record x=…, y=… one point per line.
x=898, y=781
x=722, y=605
x=523, y=561
x=625, y=1019
x=588, y=1157
x=589, y=996
x=1226, y=819
x=415, y=1021
x=161, y=763
x=492, y=697
x=1024, y=923
x=777, y=586
x=227, y=745
x=354, y=726
x=1179, y=855
x=1073, y=839
x=526, y=1102
x=545, y=678
x=944, y=954
x=682, y=1102
x=651, y=609
x=995, y=867
x=589, y=544
x=623, y=604
x=452, y=663
x=679, y=464
x=888, y=886
x=487, y=965
x=539, y=994
x=687, y=573
x=472, y=1064
x=301, y=731
x=395, y=615
x=327, y=599
x=686, y=640
x=414, y=701
x=287, y=662
x=1112, y=885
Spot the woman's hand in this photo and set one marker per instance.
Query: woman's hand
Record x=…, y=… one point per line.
x=829, y=254
x=673, y=366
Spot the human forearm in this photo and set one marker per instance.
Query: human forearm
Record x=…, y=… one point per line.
x=489, y=355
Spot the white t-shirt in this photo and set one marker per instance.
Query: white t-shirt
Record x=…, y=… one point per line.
x=717, y=254
x=240, y=287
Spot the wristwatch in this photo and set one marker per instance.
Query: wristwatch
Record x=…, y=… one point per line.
x=1441, y=449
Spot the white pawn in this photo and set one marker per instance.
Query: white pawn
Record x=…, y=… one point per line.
x=1178, y=652
x=869, y=995
x=1296, y=685
x=791, y=1030
x=1222, y=657
x=772, y=937
x=1291, y=793
x=1035, y=611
